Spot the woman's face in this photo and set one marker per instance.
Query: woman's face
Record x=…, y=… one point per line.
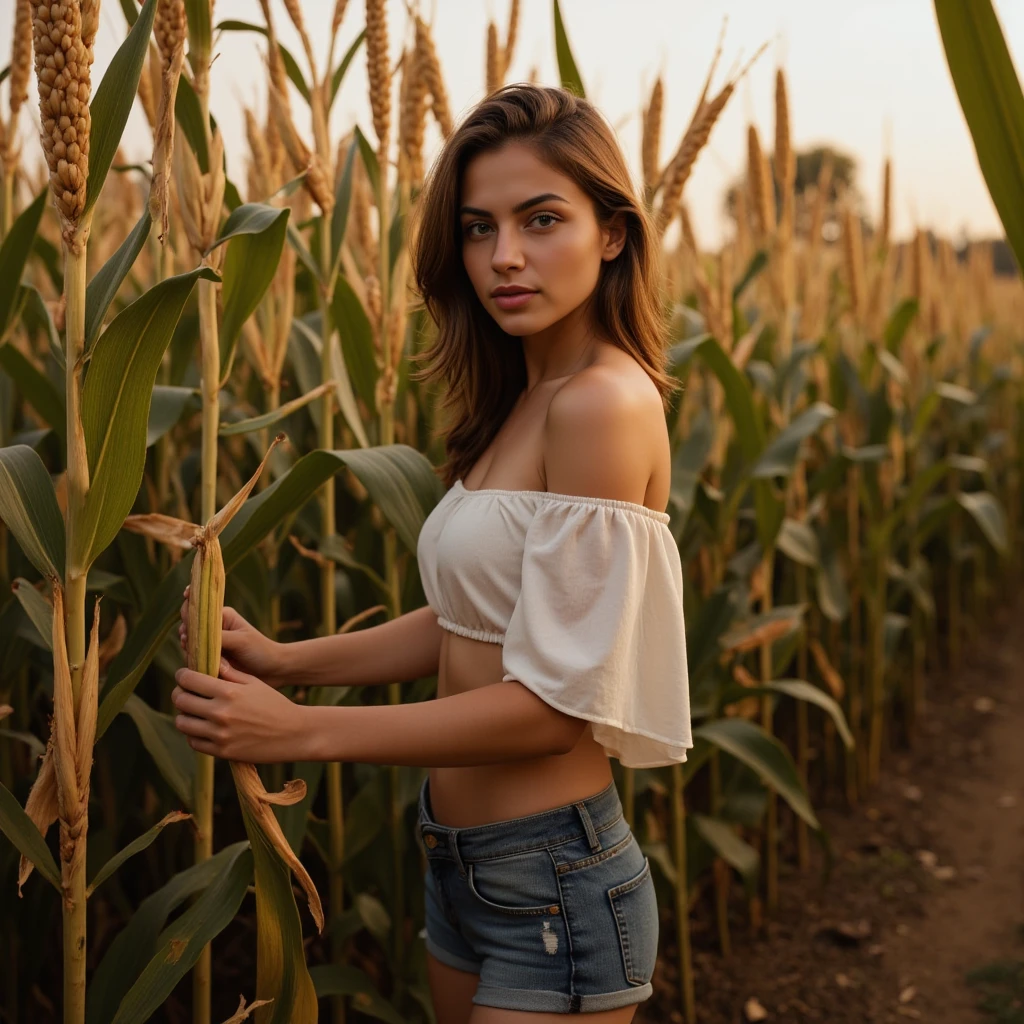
x=525, y=224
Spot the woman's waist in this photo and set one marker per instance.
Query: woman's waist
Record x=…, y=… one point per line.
x=501, y=827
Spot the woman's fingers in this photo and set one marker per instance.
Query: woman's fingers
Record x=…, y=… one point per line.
x=190, y=703
x=197, y=727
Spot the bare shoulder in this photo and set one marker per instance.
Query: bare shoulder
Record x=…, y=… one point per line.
x=605, y=433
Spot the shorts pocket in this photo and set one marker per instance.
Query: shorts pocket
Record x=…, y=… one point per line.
x=522, y=884
x=635, y=906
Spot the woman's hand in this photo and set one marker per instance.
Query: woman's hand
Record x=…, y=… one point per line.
x=243, y=644
x=238, y=717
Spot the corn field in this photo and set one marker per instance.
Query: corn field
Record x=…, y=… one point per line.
x=200, y=388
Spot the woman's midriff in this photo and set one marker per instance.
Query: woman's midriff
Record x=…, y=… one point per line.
x=467, y=796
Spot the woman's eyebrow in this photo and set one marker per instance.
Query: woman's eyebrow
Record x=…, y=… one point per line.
x=518, y=208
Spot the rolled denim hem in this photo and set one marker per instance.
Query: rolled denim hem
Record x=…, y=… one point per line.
x=559, y=1002
x=451, y=959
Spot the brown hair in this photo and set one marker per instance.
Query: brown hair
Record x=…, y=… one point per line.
x=482, y=368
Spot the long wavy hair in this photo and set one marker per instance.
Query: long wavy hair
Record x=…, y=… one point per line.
x=482, y=368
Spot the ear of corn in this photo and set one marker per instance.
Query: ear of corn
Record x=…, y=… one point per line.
x=282, y=976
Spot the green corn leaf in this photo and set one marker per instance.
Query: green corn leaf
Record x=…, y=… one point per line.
x=28, y=505
x=168, y=747
x=115, y=406
x=342, y=200
x=166, y=409
x=14, y=254
x=757, y=264
x=899, y=323
x=113, y=101
x=993, y=105
x=103, y=287
x=200, y=35
x=568, y=72
x=22, y=832
x=36, y=387
x=799, y=542
x=740, y=855
x=189, y=117
x=133, y=946
x=356, y=335
x=179, y=945
x=346, y=980
x=339, y=72
x=268, y=419
x=798, y=689
x=291, y=65
x=984, y=508
x=254, y=234
x=37, y=608
x=134, y=847
x=780, y=456
x=760, y=752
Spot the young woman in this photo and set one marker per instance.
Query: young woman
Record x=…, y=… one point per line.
x=555, y=611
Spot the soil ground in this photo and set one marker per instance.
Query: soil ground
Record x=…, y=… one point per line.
x=923, y=916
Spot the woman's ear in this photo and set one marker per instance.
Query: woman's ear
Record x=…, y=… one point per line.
x=614, y=236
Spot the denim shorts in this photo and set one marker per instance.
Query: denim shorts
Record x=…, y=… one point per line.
x=555, y=911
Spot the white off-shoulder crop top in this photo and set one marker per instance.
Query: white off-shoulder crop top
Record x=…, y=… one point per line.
x=586, y=596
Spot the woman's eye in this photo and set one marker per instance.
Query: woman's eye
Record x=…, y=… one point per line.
x=549, y=216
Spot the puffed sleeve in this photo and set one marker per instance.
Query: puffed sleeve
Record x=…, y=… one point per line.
x=597, y=630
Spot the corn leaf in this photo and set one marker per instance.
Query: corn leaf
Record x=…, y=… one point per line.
x=103, y=287
x=268, y=419
x=37, y=608
x=200, y=36
x=189, y=117
x=568, y=73
x=798, y=689
x=14, y=254
x=898, y=324
x=22, y=832
x=779, y=457
x=254, y=234
x=166, y=408
x=306, y=348
x=134, y=847
x=115, y=406
x=179, y=945
x=291, y=65
x=339, y=72
x=985, y=510
x=990, y=96
x=760, y=752
x=740, y=855
x=28, y=505
x=36, y=387
x=113, y=101
x=168, y=747
x=133, y=946
x=799, y=542
x=342, y=201
x=346, y=980
x=281, y=971
x=356, y=333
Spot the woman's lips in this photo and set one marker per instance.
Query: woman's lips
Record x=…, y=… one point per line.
x=513, y=301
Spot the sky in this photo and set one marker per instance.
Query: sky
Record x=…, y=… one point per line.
x=869, y=77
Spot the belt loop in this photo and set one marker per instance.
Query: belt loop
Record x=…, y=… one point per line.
x=588, y=825
x=453, y=846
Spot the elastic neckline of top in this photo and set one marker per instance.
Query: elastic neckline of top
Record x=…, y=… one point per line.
x=579, y=499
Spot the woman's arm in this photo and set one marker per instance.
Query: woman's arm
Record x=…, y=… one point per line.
x=238, y=717
x=489, y=724
x=396, y=651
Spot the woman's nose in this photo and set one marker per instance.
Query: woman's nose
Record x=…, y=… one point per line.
x=507, y=252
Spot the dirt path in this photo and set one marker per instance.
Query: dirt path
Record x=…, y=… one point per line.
x=928, y=882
